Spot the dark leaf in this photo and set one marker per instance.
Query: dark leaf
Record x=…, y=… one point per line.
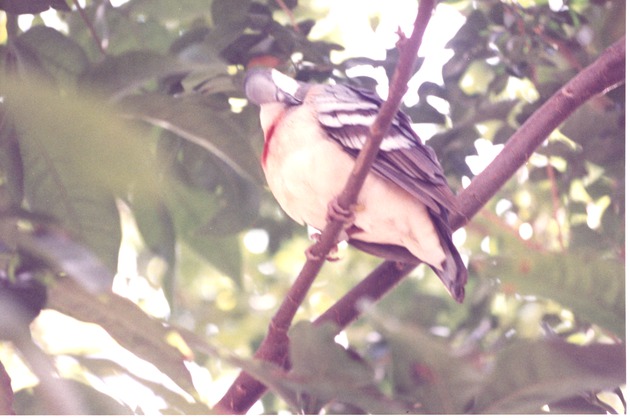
x=11, y=163
x=305, y=26
x=190, y=119
x=20, y=7
x=259, y=16
x=575, y=405
x=31, y=401
x=120, y=75
x=426, y=370
x=191, y=210
x=229, y=12
x=56, y=54
x=6, y=393
x=61, y=5
x=425, y=113
x=326, y=371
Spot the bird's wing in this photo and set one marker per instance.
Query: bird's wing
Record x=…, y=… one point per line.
x=346, y=113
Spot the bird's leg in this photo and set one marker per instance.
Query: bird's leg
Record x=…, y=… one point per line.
x=335, y=212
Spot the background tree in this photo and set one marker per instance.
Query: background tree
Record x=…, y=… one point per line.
x=127, y=147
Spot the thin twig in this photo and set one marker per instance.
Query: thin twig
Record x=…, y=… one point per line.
x=88, y=23
x=289, y=13
x=498, y=222
x=246, y=390
x=555, y=200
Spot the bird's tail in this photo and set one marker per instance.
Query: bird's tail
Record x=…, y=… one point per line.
x=453, y=272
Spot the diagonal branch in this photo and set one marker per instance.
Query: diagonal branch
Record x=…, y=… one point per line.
x=604, y=74
x=246, y=390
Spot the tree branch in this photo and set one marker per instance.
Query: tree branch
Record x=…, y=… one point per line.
x=605, y=73
x=246, y=390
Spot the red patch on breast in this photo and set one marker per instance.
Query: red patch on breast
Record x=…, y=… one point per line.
x=269, y=136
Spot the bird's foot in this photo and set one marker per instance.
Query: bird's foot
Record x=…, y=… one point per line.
x=310, y=255
x=336, y=212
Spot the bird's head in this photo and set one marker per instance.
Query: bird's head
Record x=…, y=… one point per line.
x=266, y=85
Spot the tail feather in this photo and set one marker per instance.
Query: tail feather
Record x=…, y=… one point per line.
x=453, y=272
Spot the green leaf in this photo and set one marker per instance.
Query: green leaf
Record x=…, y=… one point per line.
x=177, y=403
x=166, y=10
x=11, y=163
x=238, y=199
x=36, y=401
x=55, y=185
x=315, y=355
x=227, y=12
x=69, y=257
x=117, y=76
x=6, y=393
x=194, y=121
x=20, y=7
x=156, y=226
x=77, y=155
x=591, y=286
x=191, y=210
x=56, y=54
x=144, y=336
x=426, y=369
x=528, y=375
x=328, y=372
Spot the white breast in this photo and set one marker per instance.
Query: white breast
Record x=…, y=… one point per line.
x=305, y=170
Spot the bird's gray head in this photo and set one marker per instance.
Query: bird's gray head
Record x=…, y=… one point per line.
x=265, y=85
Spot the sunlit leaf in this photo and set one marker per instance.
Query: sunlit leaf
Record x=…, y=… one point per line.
x=176, y=402
x=592, y=286
x=132, y=328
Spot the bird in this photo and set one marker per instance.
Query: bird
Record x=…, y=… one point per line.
x=313, y=133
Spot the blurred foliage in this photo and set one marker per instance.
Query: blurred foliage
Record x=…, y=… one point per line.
x=126, y=146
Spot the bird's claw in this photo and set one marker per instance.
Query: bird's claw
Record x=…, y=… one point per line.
x=310, y=255
x=336, y=212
